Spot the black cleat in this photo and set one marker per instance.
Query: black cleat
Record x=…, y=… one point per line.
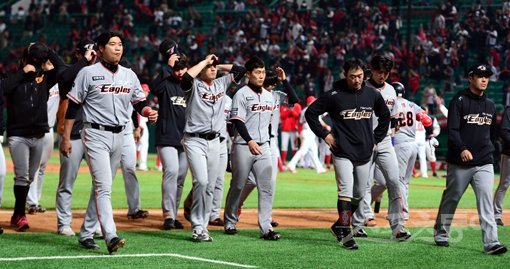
x=115, y=244
x=140, y=214
x=271, y=235
x=442, y=244
x=169, y=224
x=350, y=244
x=89, y=244
x=274, y=223
x=231, y=231
x=499, y=222
x=360, y=233
x=496, y=250
x=336, y=230
x=202, y=237
x=32, y=209
x=178, y=225
x=401, y=236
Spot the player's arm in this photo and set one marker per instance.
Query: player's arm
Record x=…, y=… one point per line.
x=12, y=81
x=312, y=114
x=192, y=73
x=454, y=122
x=65, y=144
x=291, y=94
x=58, y=65
x=383, y=113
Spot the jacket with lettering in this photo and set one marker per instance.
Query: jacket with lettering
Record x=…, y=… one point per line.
x=351, y=114
x=172, y=108
x=472, y=126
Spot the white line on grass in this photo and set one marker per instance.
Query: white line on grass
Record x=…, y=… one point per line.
x=127, y=255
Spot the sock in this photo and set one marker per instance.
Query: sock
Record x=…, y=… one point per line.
x=344, y=213
x=20, y=194
x=284, y=156
x=433, y=166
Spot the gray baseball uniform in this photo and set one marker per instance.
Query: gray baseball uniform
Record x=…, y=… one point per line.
x=386, y=158
x=255, y=110
x=204, y=122
x=106, y=98
x=34, y=194
x=279, y=98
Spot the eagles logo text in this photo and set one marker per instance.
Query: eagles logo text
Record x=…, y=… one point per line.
x=108, y=88
x=260, y=108
x=212, y=97
x=477, y=119
x=352, y=114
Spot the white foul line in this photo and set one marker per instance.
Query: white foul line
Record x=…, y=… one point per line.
x=127, y=255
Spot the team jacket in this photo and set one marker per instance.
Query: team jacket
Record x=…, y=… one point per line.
x=471, y=123
x=172, y=108
x=289, y=117
x=27, y=97
x=351, y=116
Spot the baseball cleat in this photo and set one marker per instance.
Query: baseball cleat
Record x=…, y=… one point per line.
x=274, y=223
x=496, y=250
x=20, y=223
x=169, y=224
x=89, y=244
x=115, y=244
x=201, y=237
x=271, y=235
x=499, y=222
x=139, y=214
x=231, y=231
x=360, y=233
x=350, y=244
x=442, y=244
x=31, y=209
x=217, y=222
x=40, y=209
x=401, y=236
x=178, y=224
x=336, y=229
x=66, y=231
x=371, y=223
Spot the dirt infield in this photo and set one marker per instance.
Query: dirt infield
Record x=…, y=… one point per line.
x=288, y=218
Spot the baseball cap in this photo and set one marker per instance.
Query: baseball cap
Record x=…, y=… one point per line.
x=480, y=69
x=168, y=47
x=85, y=44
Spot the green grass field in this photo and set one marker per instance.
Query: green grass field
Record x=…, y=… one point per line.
x=299, y=248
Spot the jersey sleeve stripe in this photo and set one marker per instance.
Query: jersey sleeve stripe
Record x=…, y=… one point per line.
x=70, y=96
x=238, y=118
x=138, y=100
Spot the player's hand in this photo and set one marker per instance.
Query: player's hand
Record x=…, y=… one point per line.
x=137, y=133
x=281, y=74
x=65, y=147
x=29, y=68
x=90, y=55
x=153, y=116
x=210, y=59
x=47, y=66
x=254, y=147
x=466, y=156
x=173, y=59
x=330, y=140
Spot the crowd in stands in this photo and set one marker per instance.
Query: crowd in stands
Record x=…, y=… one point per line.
x=311, y=43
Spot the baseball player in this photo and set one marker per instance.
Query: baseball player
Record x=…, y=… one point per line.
x=308, y=144
x=432, y=142
x=385, y=156
x=169, y=131
x=84, y=55
x=105, y=91
x=351, y=104
x=252, y=108
x=471, y=125
x=504, y=180
x=289, y=118
x=205, y=104
x=25, y=136
x=404, y=139
x=34, y=194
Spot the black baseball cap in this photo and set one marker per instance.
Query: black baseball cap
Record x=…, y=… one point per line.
x=480, y=70
x=168, y=47
x=84, y=45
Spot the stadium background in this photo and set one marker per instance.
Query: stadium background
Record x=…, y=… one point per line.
x=433, y=42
